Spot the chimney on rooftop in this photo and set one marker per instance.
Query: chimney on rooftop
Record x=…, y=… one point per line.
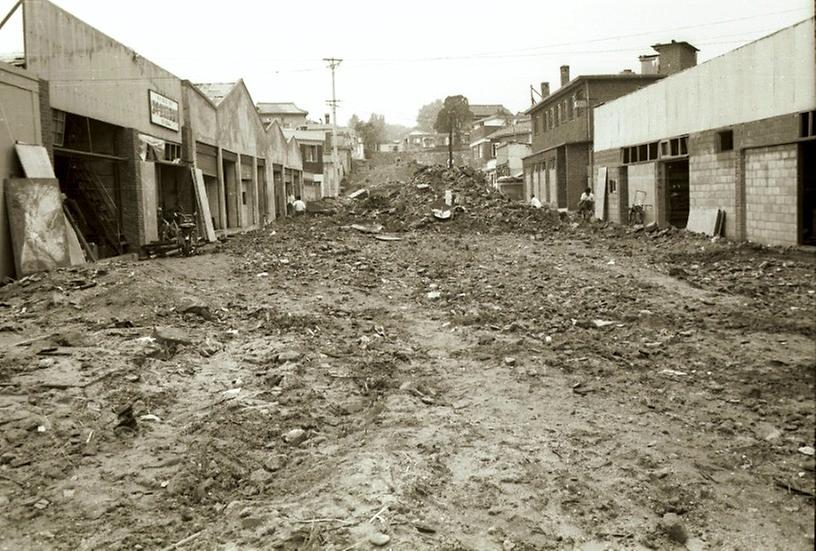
x=327, y=118
x=675, y=57
x=545, y=89
x=648, y=64
x=565, y=75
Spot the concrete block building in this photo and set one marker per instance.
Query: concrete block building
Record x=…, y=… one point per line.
x=736, y=133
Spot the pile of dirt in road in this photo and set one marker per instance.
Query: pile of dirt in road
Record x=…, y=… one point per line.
x=476, y=206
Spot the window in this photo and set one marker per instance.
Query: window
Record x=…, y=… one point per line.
x=552, y=117
x=495, y=149
x=311, y=152
x=807, y=124
x=725, y=140
x=243, y=197
x=535, y=126
x=172, y=151
x=640, y=153
x=571, y=108
x=59, y=127
x=613, y=186
x=684, y=145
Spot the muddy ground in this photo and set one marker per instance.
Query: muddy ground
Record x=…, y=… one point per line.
x=308, y=386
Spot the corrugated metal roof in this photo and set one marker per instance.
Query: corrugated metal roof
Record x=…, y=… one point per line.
x=280, y=108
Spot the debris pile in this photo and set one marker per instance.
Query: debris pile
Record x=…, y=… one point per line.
x=458, y=196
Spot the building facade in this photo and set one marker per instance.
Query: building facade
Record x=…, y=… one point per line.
x=23, y=98
x=124, y=166
x=286, y=114
x=558, y=169
x=735, y=133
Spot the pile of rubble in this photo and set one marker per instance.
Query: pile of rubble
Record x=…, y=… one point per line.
x=457, y=196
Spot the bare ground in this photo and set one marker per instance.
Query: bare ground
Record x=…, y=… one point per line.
x=449, y=391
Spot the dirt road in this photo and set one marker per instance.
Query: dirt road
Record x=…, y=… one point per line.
x=308, y=386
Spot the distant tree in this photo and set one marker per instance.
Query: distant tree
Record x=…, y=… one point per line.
x=353, y=121
x=426, y=118
x=371, y=132
x=453, y=119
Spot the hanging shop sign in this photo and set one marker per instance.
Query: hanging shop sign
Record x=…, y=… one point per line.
x=163, y=111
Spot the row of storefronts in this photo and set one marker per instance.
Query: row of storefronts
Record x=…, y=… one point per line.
x=126, y=137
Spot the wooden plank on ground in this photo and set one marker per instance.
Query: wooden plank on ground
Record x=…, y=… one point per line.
x=203, y=204
x=600, y=193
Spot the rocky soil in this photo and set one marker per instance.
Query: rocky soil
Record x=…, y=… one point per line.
x=507, y=379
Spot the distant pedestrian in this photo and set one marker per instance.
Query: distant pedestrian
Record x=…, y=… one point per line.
x=299, y=206
x=534, y=202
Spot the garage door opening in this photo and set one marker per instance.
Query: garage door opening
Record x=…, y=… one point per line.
x=807, y=193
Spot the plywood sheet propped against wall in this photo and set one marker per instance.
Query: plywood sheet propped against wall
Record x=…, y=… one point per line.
x=705, y=221
x=35, y=161
x=600, y=193
x=37, y=224
x=150, y=201
x=203, y=204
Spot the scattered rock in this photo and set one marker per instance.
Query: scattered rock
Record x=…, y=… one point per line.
x=171, y=335
x=434, y=295
x=807, y=450
x=295, y=437
x=508, y=361
x=198, y=309
x=673, y=527
x=288, y=356
x=378, y=539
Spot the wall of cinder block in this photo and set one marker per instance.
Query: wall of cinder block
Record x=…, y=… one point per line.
x=714, y=178
x=771, y=195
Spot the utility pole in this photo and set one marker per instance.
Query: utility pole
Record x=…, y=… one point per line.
x=333, y=64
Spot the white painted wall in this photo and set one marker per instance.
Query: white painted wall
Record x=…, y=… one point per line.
x=773, y=76
x=91, y=74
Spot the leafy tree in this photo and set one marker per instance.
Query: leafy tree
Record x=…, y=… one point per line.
x=426, y=118
x=353, y=121
x=454, y=119
x=371, y=132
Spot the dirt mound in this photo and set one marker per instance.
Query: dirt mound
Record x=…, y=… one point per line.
x=475, y=206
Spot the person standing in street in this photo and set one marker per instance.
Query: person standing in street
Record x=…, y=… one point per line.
x=299, y=206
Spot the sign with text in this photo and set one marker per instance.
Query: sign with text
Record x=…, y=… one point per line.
x=163, y=111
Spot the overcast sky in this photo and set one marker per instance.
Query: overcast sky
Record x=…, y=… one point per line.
x=401, y=55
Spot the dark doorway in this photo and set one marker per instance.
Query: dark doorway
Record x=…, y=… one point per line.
x=807, y=187
x=677, y=190
x=231, y=199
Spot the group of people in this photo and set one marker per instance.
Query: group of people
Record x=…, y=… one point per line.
x=586, y=203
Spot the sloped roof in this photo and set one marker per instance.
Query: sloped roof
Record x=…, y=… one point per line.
x=280, y=108
x=481, y=111
x=305, y=135
x=518, y=129
x=216, y=91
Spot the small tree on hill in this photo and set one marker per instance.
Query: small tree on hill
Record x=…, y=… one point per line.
x=453, y=119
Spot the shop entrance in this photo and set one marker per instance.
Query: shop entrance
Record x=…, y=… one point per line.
x=807, y=192
x=280, y=193
x=91, y=188
x=174, y=185
x=231, y=192
x=677, y=192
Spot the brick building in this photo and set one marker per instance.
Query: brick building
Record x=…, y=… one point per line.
x=557, y=171
x=735, y=133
